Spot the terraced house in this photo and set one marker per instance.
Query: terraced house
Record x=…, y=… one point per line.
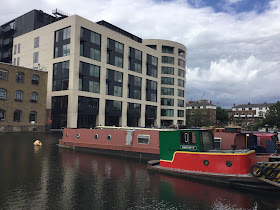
x=99, y=74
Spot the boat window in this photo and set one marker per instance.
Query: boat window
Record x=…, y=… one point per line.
x=188, y=138
x=143, y=139
x=206, y=140
x=217, y=143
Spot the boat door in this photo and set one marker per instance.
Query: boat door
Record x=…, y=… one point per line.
x=188, y=141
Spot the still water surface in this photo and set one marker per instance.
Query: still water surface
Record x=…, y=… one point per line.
x=51, y=178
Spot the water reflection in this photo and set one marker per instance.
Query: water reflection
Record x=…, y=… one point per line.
x=51, y=178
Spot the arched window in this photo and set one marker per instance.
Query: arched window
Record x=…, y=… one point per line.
x=34, y=97
x=33, y=116
x=2, y=115
x=3, y=74
x=17, y=116
x=20, y=77
x=18, y=95
x=35, y=79
x=3, y=94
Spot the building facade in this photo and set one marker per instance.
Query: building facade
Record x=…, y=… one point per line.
x=100, y=74
x=250, y=113
x=22, y=99
x=18, y=26
x=206, y=107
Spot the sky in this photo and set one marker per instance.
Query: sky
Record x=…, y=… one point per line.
x=233, y=46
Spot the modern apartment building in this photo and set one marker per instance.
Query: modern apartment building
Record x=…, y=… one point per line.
x=100, y=74
x=22, y=99
x=249, y=113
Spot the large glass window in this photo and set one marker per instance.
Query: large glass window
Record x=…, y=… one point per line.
x=35, y=57
x=34, y=97
x=88, y=109
x=66, y=33
x=167, y=70
x=167, y=101
x=62, y=42
x=60, y=76
x=118, y=47
x=115, y=53
x=181, y=53
x=134, y=87
x=151, y=90
x=181, y=93
x=114, y=82
x=3, y=74
x=18, y=116
x=167, y=59
x=135, y=60
x=168, y=49
x=33, y=116
x=167, y=81
x=90, y=44
x=180, y=103
x=180, y=113
x=18, y=95
x=181, y=73
x=181, y=63
x=152, y=66
x=59, y=111
x=66, y=49
x=181, y=83
x=2, y=115
x=133, y=107
x=36, y=42
x=167, y=91
x=167, y=112
x=20, y=77
x=3, y=94
x=95, y=38
x=118, y=61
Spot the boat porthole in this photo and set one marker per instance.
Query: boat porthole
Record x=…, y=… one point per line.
x=109, y=137
x=78, y=135
x=96, y=136
x=66, y=134
x=206, y=162
x=229, y=163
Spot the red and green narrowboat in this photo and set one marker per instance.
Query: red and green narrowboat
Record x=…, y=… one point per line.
x=190, y=153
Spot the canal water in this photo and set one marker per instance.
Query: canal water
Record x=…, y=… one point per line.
x=48, y=177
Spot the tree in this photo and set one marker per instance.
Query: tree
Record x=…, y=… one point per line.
x=272, y=116
x=222, y=115
x=196, y=118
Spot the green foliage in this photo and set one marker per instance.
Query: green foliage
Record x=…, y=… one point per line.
x=196, y=118
x=272, y=116
x=222, y=115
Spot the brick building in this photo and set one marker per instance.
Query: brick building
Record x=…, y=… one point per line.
x=208, y=109
x=22, y=99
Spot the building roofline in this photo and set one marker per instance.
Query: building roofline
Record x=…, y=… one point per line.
x=253, y=105
x=119, y=30
x=8, y=64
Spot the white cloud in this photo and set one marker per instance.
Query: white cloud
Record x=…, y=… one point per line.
x=233, y=57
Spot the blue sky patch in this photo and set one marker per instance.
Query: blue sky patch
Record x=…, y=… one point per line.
x=232, y=6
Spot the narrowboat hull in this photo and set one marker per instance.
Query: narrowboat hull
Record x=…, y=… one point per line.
x=247, y=181
x=113, y=152
x=132, y=143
